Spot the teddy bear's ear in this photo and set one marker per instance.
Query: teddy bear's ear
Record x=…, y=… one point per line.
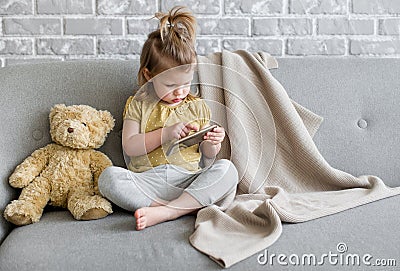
x=107, y=119
x=56, y=109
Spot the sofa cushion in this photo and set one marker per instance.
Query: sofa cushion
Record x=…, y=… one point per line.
x=359, y=101
x=58, y=242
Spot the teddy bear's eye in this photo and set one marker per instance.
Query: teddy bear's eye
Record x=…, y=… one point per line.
x=84, y=124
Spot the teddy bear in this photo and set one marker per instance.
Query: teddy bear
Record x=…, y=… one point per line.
x=64, y=173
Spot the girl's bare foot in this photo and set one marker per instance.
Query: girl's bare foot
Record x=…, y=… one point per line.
x=149, y=216
x=157, y=212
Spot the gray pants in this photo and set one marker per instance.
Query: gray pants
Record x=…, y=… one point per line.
x=130, y=190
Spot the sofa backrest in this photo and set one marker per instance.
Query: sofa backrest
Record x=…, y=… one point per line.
x=358, y=98
x=29, y=91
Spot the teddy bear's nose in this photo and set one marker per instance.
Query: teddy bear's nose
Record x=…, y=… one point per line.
x=70, y=130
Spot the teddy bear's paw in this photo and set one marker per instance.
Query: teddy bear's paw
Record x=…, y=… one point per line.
x=95, y=213
x=19, y=220
x=89, y=207
x=18, y=180
x=21, y=213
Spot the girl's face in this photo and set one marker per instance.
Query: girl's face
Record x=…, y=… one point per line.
x=173, y=85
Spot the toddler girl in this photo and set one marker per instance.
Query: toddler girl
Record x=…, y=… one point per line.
x=157, y=187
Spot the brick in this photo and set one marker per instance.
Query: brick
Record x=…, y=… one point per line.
x=82, y=46
x=316, y=47
x=131, y=7
x=142, y=26
x=374, y=47
x=273, y=47
x=266, y=27
x=64, y=7
x=253, y=7
x=345, y=26
x=93, y=26
x=389, y=27
x=206, y=46
x=13, y=7
x=120, y=46
x=196, y=6
x=32, y=26
x=376, y=6
x=318, y=6
x=287, y=26
x=224, y=26
x=16, y=46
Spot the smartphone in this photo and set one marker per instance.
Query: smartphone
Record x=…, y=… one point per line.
x=189, y=140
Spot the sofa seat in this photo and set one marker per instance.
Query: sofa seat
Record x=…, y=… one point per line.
x=59, y=242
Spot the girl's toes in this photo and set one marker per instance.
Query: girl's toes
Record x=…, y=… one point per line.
x=140, y=219
x=140, y=224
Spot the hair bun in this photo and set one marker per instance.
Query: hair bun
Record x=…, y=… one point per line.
x=172, y=45
x=177, y=26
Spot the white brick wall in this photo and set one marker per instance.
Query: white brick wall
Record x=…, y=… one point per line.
x=38, y=30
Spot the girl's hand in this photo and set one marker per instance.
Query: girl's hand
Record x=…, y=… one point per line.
x=216, y=136
x=177, y=131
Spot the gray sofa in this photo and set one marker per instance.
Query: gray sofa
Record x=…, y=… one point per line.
x=358, y=98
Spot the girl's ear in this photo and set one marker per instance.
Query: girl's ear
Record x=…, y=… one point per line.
x=147, y=74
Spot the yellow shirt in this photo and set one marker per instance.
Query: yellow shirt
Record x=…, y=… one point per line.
x=153, y=115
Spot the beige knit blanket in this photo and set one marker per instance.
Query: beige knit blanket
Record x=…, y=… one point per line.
x=283, y=177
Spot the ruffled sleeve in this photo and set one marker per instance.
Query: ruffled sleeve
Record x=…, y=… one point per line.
x=133, y=109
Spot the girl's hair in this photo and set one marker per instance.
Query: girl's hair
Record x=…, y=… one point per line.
x=171, y=45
